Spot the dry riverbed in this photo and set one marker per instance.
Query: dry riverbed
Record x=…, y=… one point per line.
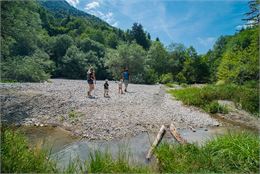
x=64, y=103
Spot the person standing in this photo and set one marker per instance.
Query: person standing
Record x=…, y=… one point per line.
x=125, y=76
x=106, y=88
x=91, y=77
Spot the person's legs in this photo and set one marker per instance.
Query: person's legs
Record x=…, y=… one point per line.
x=91, y=88
x=126, y=84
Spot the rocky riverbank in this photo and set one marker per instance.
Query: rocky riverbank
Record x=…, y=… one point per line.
x=64, y=103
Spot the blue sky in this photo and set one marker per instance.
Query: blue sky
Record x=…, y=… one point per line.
x=196, y=23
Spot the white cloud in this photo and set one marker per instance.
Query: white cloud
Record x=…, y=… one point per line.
x=92, y=5
x=74, y=3
x=95, y=9
x=115, y=24
x=208, y=41
x=248, y=24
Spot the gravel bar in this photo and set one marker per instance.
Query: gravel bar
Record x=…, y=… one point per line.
x=65, y=103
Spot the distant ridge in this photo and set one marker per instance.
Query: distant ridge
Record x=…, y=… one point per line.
x=61, y=9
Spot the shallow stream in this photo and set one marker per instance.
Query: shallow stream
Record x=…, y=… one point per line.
x=66, y=148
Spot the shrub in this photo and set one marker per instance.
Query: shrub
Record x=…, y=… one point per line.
x=181, y=78
x=166, y=78
x=220, y=82
x=215, y=107
x=150, y=76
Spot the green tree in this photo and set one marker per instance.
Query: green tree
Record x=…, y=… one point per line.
x=216, y=55
x=137, y=33
x=177, y=56
x=75, y=63
x=240, y=61
x=34, y=68
x=157, y=58
x=126, y=55
x=253, y=16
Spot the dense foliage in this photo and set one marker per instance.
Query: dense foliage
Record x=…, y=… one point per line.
x=44, y=39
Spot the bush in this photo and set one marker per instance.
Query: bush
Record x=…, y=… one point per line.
x=166, y=78
x=220, y=82
x=215, y=107
x=150, y=76
x=248, y=99
x=231, y=153
x=180, y=78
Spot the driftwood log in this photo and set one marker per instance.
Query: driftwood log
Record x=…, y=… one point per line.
x=176, y=135
x=156, y=142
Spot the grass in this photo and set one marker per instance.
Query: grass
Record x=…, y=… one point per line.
x=17, y=156
x=102, y=162
x=245, y=97
x=231, y=153
x=74, y=114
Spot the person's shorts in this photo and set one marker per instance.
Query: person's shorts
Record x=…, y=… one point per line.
x=126, y=82
x=90, y=82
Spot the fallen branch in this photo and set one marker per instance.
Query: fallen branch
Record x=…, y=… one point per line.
x=176, y=135
x=156, y=142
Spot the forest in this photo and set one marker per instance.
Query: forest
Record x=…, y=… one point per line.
x=51, y=39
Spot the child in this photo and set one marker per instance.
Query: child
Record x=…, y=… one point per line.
x=106, y=85
x=120, y=86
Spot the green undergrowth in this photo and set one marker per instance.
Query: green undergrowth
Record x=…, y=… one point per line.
x=18, y=157
x=231, y=153
x=206, y=97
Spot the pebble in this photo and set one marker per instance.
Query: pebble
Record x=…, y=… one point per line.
x=143, y=108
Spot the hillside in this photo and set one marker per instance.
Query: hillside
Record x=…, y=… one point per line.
x=52, y=39
x=62, y=9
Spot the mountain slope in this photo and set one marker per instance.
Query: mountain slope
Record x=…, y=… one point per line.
x=61, y=9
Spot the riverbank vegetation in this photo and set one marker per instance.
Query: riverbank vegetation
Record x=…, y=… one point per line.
x=206, y=97
x=231, y=153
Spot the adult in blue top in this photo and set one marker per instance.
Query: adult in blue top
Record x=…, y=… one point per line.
x=126, y=77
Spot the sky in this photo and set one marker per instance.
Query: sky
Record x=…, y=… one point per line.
x=196, y=23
